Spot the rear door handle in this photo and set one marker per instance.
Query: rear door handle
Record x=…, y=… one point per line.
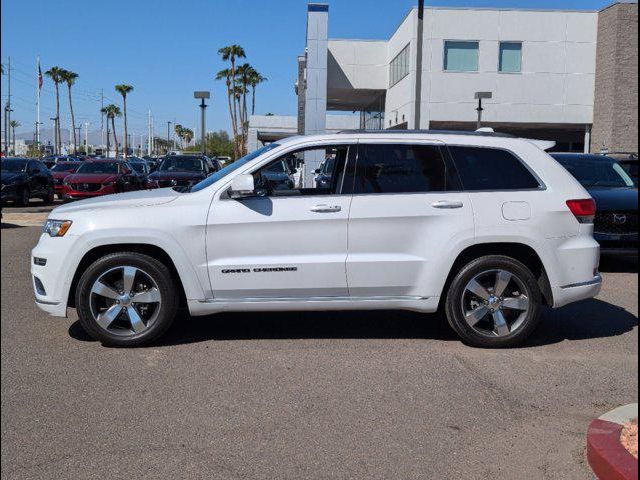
x=447, y=204
x=326, y=208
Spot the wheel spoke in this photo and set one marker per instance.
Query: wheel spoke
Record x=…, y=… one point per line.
x=106, y=318
x=103, y=290
x=502, y=280
x=150, y=296
x=500, y=327
x=478, y=290
x=475, y=315
x=516, y=303
x=128, y=277
x=137, y=324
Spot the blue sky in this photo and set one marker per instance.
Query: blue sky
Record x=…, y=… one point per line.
x=167, y=49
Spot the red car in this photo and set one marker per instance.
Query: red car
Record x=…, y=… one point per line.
x=101, y=177
x=60, y=171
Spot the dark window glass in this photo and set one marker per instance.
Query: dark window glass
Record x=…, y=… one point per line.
x=400, y=169
x=491, y=169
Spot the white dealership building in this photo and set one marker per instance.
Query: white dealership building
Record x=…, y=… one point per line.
x=538, y=65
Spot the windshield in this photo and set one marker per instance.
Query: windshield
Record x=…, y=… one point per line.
x=99, y=167
x=138, y=167
x=211, y=179
x=597, y=172
x=65, y=167
x=14, y=165
x=175, y=163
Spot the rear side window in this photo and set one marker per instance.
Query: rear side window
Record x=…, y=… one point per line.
x=400, y=169
x=491, y=169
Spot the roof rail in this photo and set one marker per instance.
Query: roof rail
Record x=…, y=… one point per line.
x=481, y=133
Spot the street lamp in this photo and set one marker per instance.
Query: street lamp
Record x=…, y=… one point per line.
x=479, y=96
x=202, y=96
x=168, y=136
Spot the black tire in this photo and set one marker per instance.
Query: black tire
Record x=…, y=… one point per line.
x=454, y=301
x=25, y=195
x=159, y=273
x=50, y=197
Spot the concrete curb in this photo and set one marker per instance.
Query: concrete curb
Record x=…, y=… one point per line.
x=607, y=457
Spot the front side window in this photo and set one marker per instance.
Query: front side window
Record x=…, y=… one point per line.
x=461, y=56
x=295, y=172
x=401, y=168
x=510, y=57
x=491, y=169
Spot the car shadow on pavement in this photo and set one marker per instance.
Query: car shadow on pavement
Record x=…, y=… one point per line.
x=9, y=225
x=585, y=320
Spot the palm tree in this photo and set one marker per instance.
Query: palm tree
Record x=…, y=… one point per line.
x=55, y=74
x=231, y=53
x=14, y=124
x=254, y=80
x=226, y=75
x=179, y=130
x=69, y=78
x=112, y=111
x=124, y=90
x=187, y=134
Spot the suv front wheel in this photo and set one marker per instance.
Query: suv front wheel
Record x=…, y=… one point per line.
x=126, y=299
x=494, y=301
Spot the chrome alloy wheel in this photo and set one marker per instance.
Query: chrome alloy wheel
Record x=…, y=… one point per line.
x=495, y=303
x=125, y=301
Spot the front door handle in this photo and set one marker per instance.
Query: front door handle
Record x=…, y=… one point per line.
x=447, y=204
x=326, y=208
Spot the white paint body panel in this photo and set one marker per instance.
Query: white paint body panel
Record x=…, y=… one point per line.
x=375, y=252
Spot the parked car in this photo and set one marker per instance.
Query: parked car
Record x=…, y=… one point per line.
x=181, y=171
x=100, y=177
x=324, y=173
x=616, y=196
x=140, y=166
x=60, y=171
x=276, y=176
x=487, y=227
x=52, y=160
x=24, y=179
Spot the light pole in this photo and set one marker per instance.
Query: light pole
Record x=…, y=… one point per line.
x=168, y=136
x=479, y=96
x=202, y=96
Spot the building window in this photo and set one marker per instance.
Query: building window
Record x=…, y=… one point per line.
x=510, y=57
x=460, y=56
x=399, y=67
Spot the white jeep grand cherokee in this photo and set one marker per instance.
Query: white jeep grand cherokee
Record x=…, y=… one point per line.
x=487, y=227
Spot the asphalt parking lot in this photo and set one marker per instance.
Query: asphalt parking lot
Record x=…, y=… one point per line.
x=309, y=395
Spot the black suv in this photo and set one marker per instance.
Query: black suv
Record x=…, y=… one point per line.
x=616, y=196
x=23, y=179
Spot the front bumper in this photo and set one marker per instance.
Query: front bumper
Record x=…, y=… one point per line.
x=70, y=194
x=617, y=244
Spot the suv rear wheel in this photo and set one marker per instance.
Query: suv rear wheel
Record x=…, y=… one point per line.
x=494, y=301
x=126, y=299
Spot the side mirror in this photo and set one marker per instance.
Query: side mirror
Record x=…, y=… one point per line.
x=242, y=187
x=317, y=170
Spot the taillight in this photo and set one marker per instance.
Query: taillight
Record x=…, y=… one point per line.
x=584, y=210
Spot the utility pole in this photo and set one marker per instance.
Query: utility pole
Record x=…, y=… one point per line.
x=149, y=133
x=55, y=135
x=107, y=154
x=101, y=117
x=38, y=103
x=75, y=145
x=479, y=96
x=86, y=138
x=202, y=96
x=7, y=109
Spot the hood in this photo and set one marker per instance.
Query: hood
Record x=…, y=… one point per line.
x=91, y=177
x=11, y=177
x=61, y=174
x=139, y=198
x=176, y=175
x=615, y=199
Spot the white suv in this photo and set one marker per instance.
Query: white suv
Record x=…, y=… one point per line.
x=487, y=227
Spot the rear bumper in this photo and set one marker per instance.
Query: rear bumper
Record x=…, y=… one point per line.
x=573, y=293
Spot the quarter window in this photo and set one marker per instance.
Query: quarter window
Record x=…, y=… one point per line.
x=461, y=56
x=399, y=67
x=400, y=169
x=510, y=57
x=491, y=169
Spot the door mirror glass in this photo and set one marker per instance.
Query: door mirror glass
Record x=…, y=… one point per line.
x=242, y=187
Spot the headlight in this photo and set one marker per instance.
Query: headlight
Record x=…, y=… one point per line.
x=108, y=184
x=56, y=228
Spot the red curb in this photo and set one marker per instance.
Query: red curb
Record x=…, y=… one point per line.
x=609, y=460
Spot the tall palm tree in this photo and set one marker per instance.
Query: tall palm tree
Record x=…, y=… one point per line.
x=231, y=53
x=225, y=75
x=255, y=79
x=112, y=111
x=55, y=74
x=179, y=129
x=187, y=135
x=69, y=78
x=124, y=90
x=14, y=124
